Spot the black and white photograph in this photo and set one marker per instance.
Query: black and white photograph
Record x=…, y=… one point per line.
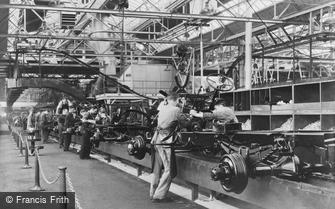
x=167, y=104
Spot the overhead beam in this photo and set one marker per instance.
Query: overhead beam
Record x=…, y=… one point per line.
x=60, y=76
x=261, y=29
x=86, y=38
x=324, y=36
x=149, y=14
x=290, y=58
x=30, y=52
x=48, y=65
x=118, y=55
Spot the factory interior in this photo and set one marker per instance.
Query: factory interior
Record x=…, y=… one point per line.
x=161, y=104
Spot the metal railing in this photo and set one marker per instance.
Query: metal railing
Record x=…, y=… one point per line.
x=62, y=176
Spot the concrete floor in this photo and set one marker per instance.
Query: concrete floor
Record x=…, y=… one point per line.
x=97, y=185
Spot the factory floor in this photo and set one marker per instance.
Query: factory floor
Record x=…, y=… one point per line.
x=97, y=185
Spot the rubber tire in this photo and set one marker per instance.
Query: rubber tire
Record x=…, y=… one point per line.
x=140, y=155
x=242, y=177
x=240, y=180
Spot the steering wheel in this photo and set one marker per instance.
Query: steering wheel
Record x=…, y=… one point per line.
x=220, y=83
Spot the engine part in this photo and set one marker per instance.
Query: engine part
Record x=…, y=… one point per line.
x=287, y=165
x=137, y=147
x=232, y=173
x=326, y=168
x=196, y=125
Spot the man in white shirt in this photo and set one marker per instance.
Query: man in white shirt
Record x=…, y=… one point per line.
x=168, y=117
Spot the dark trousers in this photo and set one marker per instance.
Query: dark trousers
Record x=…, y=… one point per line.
x=86, y=146
x=60, y=135
x=44, y=135
x=67, y=141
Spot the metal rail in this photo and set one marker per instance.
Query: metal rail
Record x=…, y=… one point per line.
x=148, y=14
x=30, y=52
x=86, y=38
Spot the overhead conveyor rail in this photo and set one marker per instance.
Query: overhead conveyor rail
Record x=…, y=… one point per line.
x=148, y=14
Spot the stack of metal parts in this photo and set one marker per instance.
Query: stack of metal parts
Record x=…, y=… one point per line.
x=315, y=126
x=287, y=126
x=246, y=125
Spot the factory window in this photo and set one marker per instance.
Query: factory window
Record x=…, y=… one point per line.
x=187, y=8
x=85, y=1
x=222, y=2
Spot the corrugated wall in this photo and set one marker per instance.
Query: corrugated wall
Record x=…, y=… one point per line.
x=4, y=13
x=2, y=89
x=3, y=27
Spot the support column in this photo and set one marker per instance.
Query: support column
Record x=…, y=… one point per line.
x=311, y=31
x=310, y=58
x=193, y=71
x=248, y=51
x=201, y=59
x=197, y=68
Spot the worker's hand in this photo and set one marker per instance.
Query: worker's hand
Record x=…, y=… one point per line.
x=182, y=101
x=193, y=112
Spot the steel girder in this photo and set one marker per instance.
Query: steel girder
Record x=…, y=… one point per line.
x=147, y=14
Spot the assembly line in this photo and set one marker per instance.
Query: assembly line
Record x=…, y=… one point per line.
x=167, y=104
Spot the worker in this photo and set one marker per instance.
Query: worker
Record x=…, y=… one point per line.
x=164, y=167
x=30, y=120
x=60, y=126
x=37, y=120
x=221, y=115
x=102, y=117
x=88, y=120
x=24, y=117
x=44, y=126
x=63, y=105
x=116, y=116
x=68, y=127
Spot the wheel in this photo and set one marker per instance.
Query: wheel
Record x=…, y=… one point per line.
x=220, y=82
x=237, y=178
x=137, y=147
x=140, y=155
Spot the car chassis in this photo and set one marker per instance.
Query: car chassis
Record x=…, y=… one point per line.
x=244, y=154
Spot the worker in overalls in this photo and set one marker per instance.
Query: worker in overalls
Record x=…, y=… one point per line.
x=30, y=120
x=62, y=110
x=164, y=167
x=86, y=130
x=69, y=123
x=64, y=104
x=44, y=124
x=61, y=127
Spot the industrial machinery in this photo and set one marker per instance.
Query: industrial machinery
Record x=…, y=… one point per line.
x=244, y=154
x=239, y=154
x=131, y=122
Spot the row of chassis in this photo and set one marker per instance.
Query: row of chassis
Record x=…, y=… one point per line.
x=245, y=163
